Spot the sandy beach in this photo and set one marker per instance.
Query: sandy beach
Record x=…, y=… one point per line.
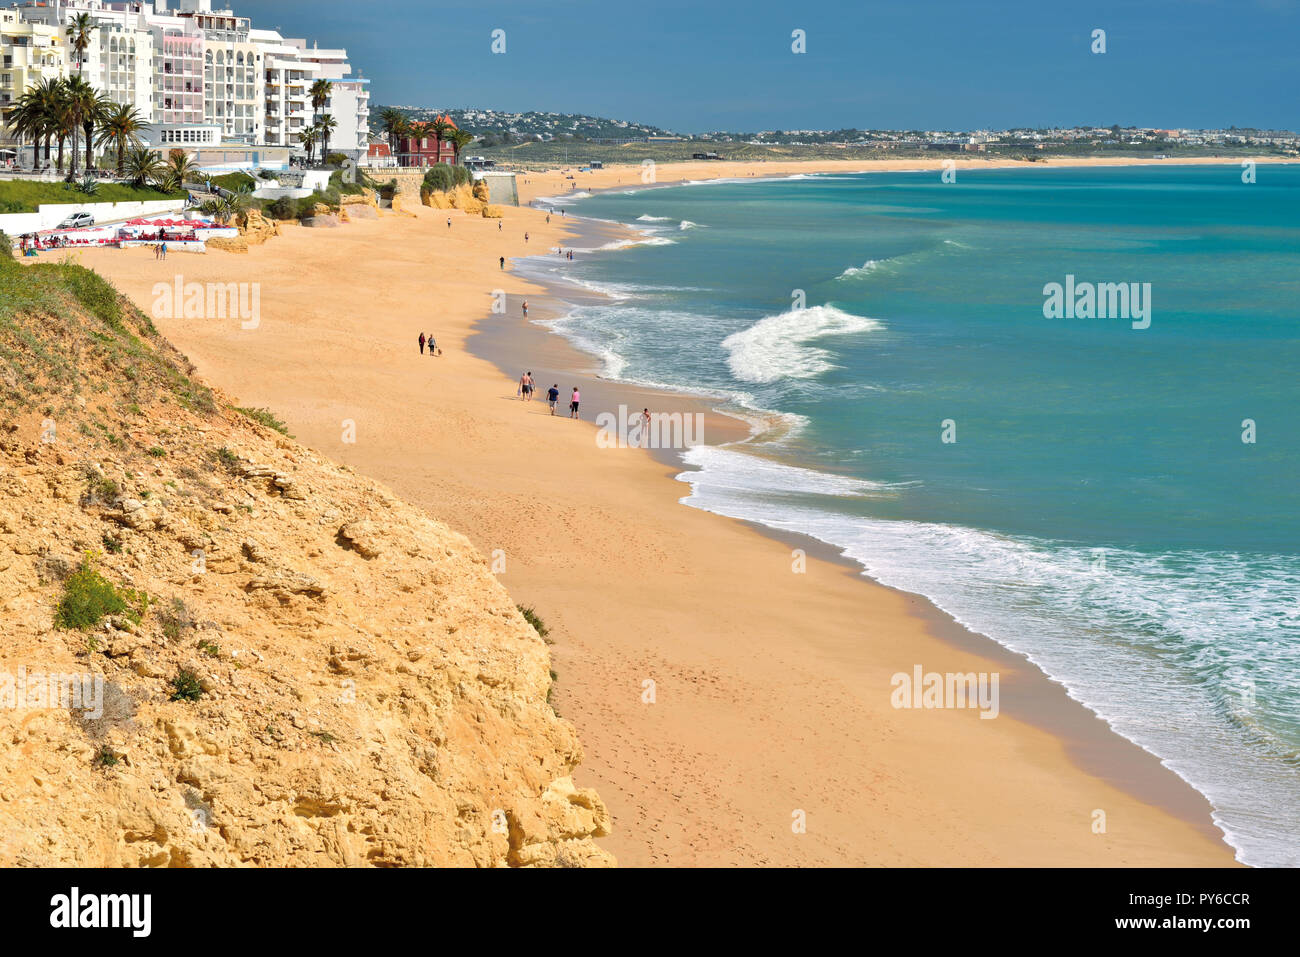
x=770, y=700
x=555, y=183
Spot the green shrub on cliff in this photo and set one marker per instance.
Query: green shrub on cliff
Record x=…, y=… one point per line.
x=531, y=616
x=89, y=597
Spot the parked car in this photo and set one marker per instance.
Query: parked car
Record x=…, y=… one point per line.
x=78, y=221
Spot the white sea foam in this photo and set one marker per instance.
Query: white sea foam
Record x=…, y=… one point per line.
x=780, y=346
x=653, y=219
x=561, y=200
x=871, y=265
x=687, y=224
x=1137, y=638
x=765, y=475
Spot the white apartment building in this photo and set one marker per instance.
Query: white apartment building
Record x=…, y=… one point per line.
x=287, y=96
x=29, y=53
x=183, y=64
x=120, y=58
x=349, y=101
x=234, y=84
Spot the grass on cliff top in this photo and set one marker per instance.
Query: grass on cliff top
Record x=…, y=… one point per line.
x=267, y=418
x=65, y=331
x=534, y=619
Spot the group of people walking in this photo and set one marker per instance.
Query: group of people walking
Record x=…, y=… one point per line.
x=528, y=388
x=431, y=342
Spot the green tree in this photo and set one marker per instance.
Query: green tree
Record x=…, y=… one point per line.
x=324, y=127
x=440, y=127
x=320, y=95
x=33, y=116
x=308, y=137
x=393, y=123
x=81, y=29
x=121, y=127
x=180, y=167
x=143, y=167
x=459, y=140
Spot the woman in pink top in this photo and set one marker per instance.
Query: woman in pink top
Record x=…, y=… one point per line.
x=573, y=403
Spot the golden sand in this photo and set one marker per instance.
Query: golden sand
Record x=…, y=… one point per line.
x=771, y=689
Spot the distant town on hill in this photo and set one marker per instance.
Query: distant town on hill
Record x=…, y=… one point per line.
x=501, y=128
x=539, y=140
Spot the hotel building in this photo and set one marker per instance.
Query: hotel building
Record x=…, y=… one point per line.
x=185, y=65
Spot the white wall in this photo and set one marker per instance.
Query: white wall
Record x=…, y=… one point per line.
x=51, y=214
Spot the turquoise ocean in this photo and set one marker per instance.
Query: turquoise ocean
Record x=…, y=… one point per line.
x=1095, y=506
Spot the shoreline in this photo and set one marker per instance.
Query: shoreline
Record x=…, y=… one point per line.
x=598, y=181
x=1089, y=738
x=629, y=583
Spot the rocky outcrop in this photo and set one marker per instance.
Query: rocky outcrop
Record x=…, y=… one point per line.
x=466, y=198
x=324, y=675
x=255, y=229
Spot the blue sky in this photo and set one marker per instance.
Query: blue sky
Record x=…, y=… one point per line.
x=719, y=64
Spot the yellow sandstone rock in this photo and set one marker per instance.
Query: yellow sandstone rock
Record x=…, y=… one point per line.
x=359, y=690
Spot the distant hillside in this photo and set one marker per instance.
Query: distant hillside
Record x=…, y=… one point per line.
x=501, y=128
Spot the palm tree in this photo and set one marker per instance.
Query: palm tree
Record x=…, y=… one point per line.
x=80, y=29
x=405, y=130
x=440, y=127
x=459, y=140
x=29, y=118
x=143, y=167
x=392, y=122
x=46, y=99
x=85, y=106
x=63, y=120
x=324, y=127
x=121, y=127
x=182, y=166
x=233, y=205
x=320, y=95
x=96, y=107
x=308, y=137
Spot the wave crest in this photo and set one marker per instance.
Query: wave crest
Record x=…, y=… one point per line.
x=780, y=347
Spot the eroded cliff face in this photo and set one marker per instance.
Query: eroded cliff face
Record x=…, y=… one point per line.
x=323, y=676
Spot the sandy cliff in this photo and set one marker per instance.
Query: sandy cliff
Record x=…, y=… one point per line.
x=323, y=675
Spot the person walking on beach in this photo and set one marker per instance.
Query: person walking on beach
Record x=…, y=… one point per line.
x=532, y=386
x=422, y=343
x=645, y=428
x=525, y=237
x=433, y=345
x=163, y=247
x=573, y=403
x=522, y=391
x=449, y=222
x=503, y=263
x=553, y=396
x=525, y=308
